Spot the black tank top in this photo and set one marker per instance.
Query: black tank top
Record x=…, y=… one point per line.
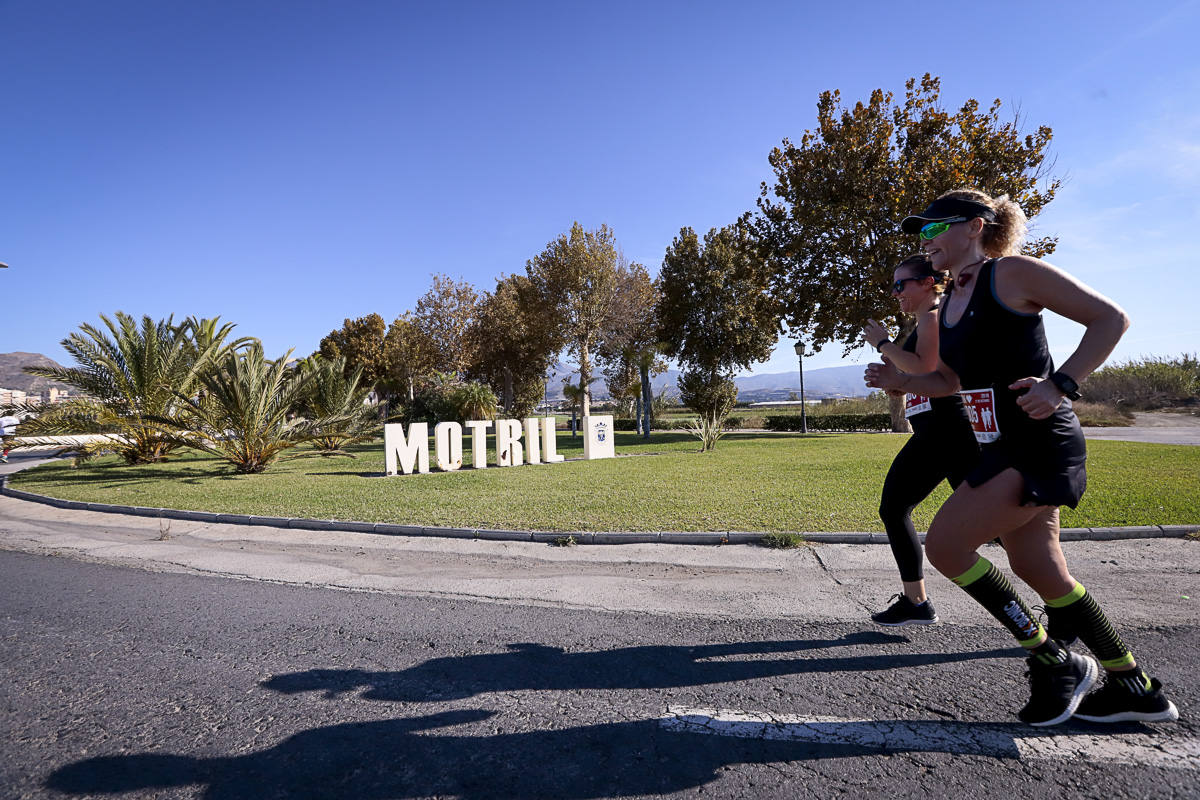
x=991, y=346
x=942, y=410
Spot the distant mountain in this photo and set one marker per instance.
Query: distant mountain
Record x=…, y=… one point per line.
x=12, y=376
x=826, y=382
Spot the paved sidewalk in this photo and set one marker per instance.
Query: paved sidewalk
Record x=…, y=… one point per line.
x=1154, y=427
x=821, y=582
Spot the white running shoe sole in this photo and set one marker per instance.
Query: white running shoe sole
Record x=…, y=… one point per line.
x=1170, y=714
x=933, y=621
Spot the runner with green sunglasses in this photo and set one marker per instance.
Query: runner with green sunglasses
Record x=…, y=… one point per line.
x=993, y=352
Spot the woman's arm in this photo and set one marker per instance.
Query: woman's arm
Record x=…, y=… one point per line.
x=924, y=360
x=1029, y=285
x=942, y=381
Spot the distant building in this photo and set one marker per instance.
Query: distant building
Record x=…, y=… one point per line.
x=808, y=401
x=12, y=397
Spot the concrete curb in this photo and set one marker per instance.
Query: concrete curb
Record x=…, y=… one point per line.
x=551, y=537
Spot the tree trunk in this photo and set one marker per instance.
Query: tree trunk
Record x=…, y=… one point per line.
x=896, y=409
x=896, y=404
x=508, y=390
x=585, y=379
x=647, y=399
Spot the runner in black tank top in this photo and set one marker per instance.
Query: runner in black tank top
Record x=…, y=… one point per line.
x=942, y=446
x=993, y=351
x=989, y=348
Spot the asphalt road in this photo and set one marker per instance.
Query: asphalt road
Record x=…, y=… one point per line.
x=120, y=681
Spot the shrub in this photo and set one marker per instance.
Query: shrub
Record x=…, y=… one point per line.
x=830, y=422
x=782, y=541
x=1102, y=415
x=452, y=401
x=243, y=413
x=338, y=401
x=1146, y=384
x=711, y=395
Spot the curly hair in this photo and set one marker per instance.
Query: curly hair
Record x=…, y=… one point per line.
x=1006, y=234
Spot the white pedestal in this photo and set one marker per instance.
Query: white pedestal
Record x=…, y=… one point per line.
x=598, y=438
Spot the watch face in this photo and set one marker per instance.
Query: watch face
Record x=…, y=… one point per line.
x=1066, y=384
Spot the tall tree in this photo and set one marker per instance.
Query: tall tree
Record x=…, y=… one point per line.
x=445, y=314
x=408, y=356
x=359, y=342
x=830, y=223
x=716, y=316
x=575, y=278
x=629, y=346
x=514, y=342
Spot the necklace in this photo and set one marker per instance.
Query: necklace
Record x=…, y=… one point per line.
x=965, y=277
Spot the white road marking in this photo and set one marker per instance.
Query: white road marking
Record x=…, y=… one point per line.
x=899, y=736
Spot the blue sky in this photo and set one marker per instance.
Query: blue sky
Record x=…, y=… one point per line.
x=286, y=165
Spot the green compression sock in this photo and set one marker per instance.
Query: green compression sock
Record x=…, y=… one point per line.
x=993, y=591
x=1082, y=615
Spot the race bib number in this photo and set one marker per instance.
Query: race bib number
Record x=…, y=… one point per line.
x=981, y=410
x=915, y=404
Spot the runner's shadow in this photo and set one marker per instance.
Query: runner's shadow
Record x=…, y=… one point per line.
x=402, y=758
x=539, y=667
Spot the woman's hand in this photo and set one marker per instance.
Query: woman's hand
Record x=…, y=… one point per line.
x=874, y=333
x=1041, y=399
x=883, y=376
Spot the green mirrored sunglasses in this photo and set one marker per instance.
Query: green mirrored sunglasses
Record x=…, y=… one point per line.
x=936, y=229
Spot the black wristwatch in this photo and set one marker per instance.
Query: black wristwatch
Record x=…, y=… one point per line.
x=1066, y=384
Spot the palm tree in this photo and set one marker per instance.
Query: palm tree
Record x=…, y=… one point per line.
x=243, y=414
x=340, y=400
x=130, y=376
x=474, y=400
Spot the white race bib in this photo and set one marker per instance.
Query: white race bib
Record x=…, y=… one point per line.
x=981, y=410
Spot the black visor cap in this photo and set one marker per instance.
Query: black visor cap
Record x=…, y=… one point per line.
x=946, y=208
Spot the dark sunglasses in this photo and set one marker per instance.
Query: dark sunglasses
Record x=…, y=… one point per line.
x=936, y=229
x=898, y=286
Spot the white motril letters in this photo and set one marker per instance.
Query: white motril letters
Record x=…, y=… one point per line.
x=528, y=441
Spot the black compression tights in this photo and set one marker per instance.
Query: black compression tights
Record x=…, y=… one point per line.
x=919, y=467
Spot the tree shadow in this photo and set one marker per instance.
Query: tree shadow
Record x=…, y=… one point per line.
x=115, y=476
x=400, y=758
x=536, y=667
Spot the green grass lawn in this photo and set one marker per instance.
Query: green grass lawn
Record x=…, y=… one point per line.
x=752, y=482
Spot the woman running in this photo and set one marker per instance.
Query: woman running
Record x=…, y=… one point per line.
x=942, y=446
x=993, y=352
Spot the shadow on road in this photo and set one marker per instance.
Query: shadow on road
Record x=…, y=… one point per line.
x=418, y=757
x=401, y=758
x=539, y=667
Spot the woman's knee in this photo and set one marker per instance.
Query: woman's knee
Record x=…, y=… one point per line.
x=941, y=547
x=894, y=511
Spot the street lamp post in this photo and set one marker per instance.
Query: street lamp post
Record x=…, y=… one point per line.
x=803, y=406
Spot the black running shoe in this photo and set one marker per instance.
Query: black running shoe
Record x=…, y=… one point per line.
x=1112, y=702
x=1056, y=691
x=906, y=612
